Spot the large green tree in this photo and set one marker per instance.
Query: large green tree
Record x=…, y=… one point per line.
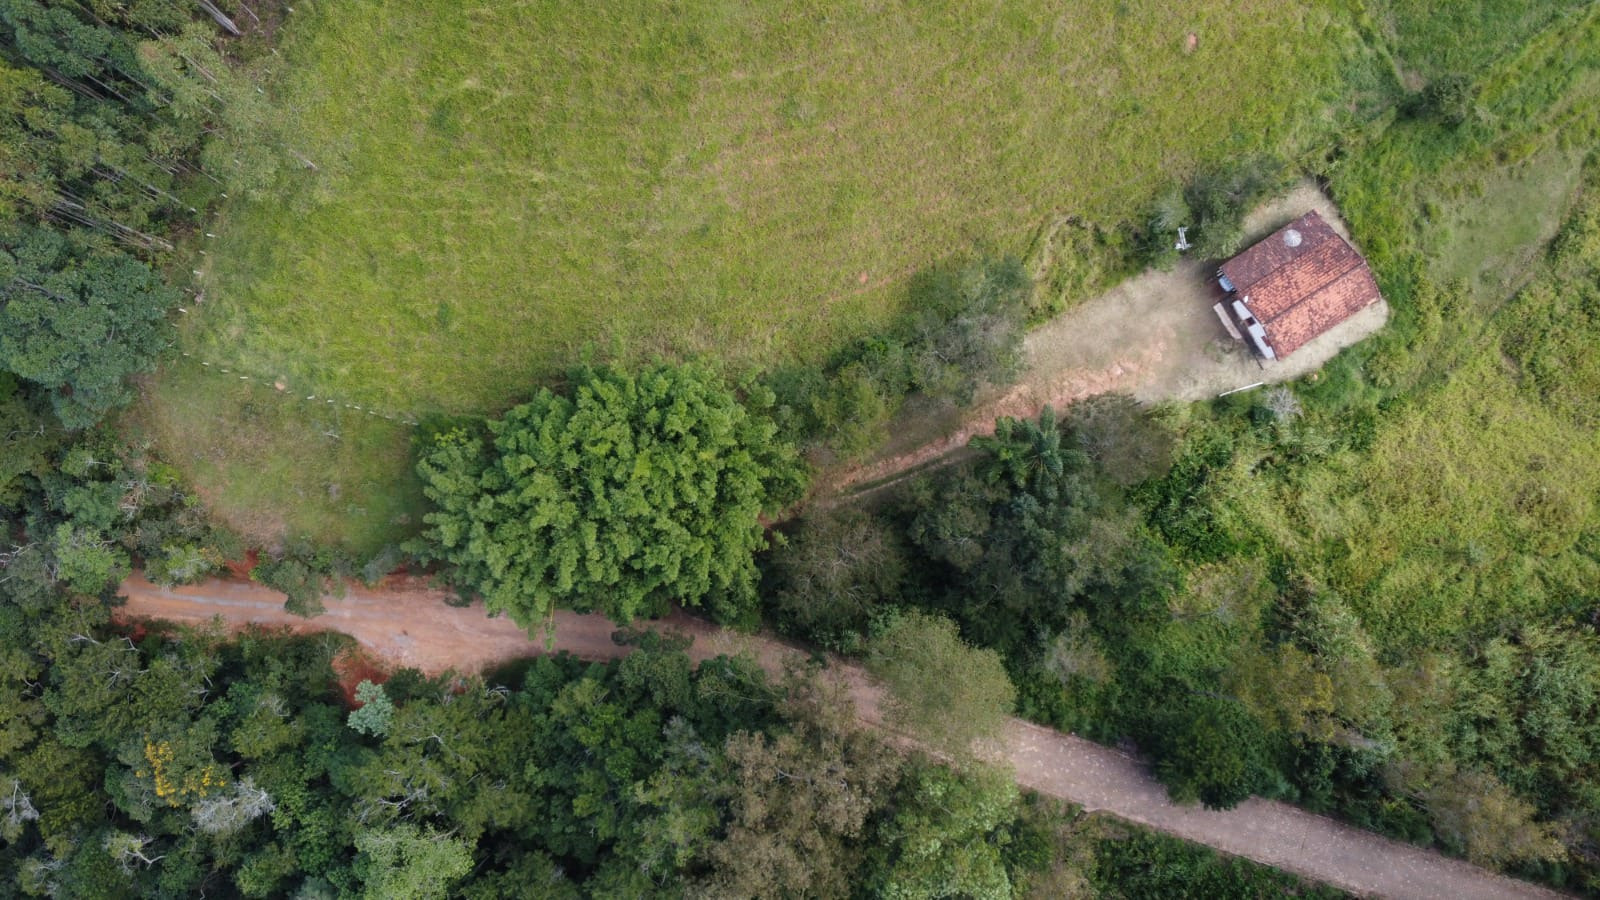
x=78, y=323
x=636, y=491
x=941, y=688
x=799, y=803
x=1018, y=541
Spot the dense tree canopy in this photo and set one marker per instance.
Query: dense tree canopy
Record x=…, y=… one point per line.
x=833, y=570
x=634, y=492
x=1016, y=542
x=78, y=323
x=176, y=765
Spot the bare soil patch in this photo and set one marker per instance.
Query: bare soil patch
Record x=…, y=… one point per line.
x=1153, y=336
x=354, y=666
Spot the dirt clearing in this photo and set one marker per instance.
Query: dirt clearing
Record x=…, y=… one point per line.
x=1153, y=336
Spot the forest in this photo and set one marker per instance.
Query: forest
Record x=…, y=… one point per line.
x=1369, y=592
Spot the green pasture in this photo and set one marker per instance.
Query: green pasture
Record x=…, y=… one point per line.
x=1472, y=505
x=272, y=464
x=1487, y=232
x=1472, y=509
x=1432, y=40
x=499, y=187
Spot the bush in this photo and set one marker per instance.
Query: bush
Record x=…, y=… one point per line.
x=830, y=576
x=1212, y=751
x=1213, y=206
x=968, y=328
x=940, y=688
x=1449, y=99
x=965, y=330
x=1146, y=864
x=1127, y=442
x=1076, y=260
x=304, y=574
x=1182, y=505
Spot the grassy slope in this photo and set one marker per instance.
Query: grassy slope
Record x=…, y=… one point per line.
x=1431, y=42
x=1487, y=231
x=1441, y=488
x=1473, y=510
x=499, y=186
x=273, y=464
x=1474, y=504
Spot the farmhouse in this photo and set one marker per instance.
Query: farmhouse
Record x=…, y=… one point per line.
x=1293, y=286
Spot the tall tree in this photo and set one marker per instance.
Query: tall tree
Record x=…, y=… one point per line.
x=943, y=836
x=828, y=576
x=245, y=148
x=636, y=491
x=409, y=863
x=799, y=802
x=78, y=323
x=940, y=688
x=1016, y=541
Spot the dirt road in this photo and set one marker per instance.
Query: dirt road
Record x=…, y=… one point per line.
x=1153, y=336
x=405, y=623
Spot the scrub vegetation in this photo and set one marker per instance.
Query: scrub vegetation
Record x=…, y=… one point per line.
x=1370, y=592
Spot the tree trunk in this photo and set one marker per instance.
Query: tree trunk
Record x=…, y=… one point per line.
x=221, y=18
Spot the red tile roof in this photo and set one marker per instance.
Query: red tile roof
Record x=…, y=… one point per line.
x=1299, y=289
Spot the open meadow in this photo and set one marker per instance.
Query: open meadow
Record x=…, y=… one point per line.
x=498, y=189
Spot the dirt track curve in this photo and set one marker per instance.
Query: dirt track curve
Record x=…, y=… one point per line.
x=406, y=624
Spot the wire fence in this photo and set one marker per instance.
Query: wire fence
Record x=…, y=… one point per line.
x=281, y=389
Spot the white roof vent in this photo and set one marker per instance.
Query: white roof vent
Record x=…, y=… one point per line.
x=1292, y=238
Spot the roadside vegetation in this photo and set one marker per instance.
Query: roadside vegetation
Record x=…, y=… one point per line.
x=638, y=492
x=167, y=764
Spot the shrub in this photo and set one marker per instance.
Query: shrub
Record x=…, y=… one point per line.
x=1213, y=751
x=835, y=570
x=1450, y=99
x=1127, y=442
x=1213, y=205
x=1182, y=505
x=304, y=574
x=965, y=330
x=940, y=688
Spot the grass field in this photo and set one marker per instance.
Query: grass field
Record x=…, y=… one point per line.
x=1488, y=231
x=499, y=187
x=1475, y=503
x=1433, y=42
x=284, y=466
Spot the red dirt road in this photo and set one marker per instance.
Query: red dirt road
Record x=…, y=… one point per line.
x=407, y=624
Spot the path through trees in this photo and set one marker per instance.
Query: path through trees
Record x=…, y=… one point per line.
x=408, y=624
